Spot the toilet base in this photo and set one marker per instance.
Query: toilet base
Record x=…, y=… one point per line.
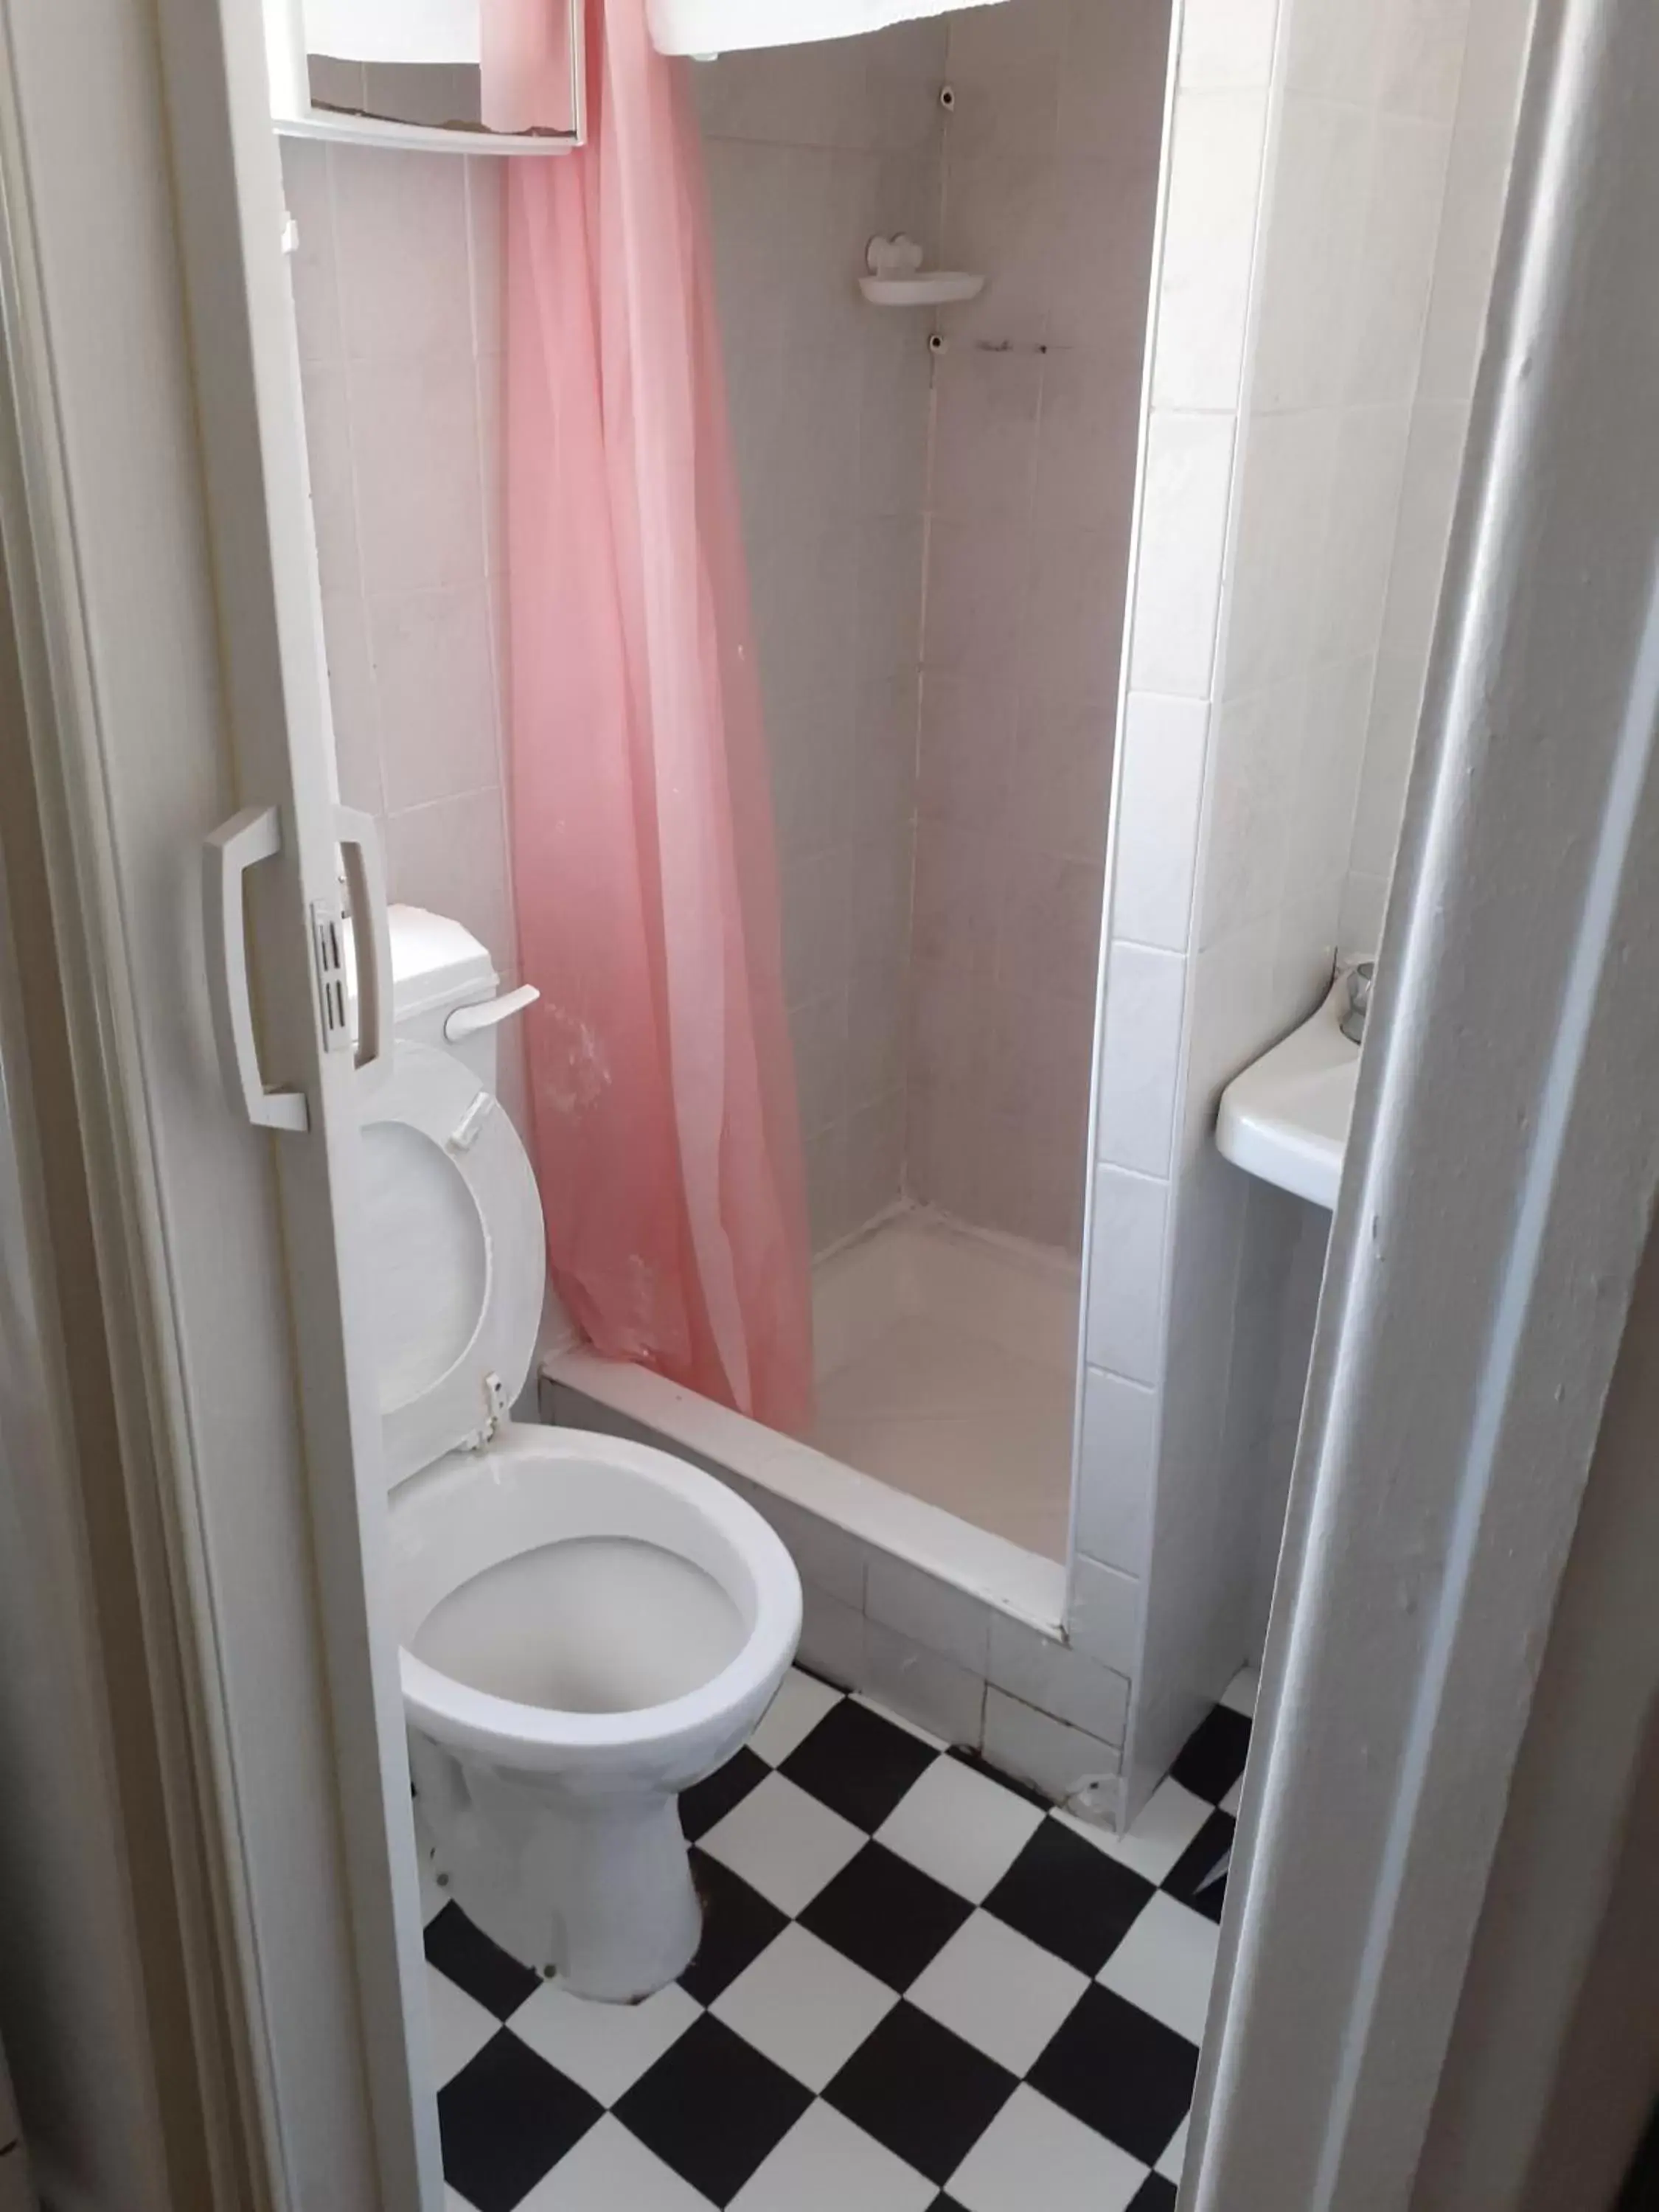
x=596, y=1891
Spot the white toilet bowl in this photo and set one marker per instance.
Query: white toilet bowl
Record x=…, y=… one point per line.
x=588, y=1625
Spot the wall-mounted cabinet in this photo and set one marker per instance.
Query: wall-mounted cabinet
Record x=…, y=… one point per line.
x=468, y=76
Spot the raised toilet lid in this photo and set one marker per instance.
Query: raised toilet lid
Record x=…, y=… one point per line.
x=456, y=1259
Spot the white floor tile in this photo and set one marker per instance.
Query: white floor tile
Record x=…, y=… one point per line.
x=460, y=2025
x=1034, y=2155
x=964, y=1830
x=454, y=2202
x=1169, y=1819
x=801, y=1703
x=1239, y=1696
x=611, y=2170
x=805, y=2006
x=1000, y=1991
x=1230, y=1802
x=783, y=1842
x=824, y=2163
x=1175, y=2154
x=1165, y=1965
x=605, y=2047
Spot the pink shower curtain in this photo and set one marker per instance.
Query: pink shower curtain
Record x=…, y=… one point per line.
x=666, y=1132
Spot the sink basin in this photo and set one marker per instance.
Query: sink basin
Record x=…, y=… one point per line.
x=1285, y=1117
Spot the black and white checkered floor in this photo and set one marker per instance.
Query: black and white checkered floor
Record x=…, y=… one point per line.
x=918, y=1987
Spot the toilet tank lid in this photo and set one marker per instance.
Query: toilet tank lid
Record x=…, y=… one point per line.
x=435, y=962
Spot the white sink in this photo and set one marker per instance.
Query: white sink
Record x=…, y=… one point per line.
x=1285, y=1117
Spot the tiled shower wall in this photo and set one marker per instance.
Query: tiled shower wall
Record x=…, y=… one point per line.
x=1051, y=159
x=1302, y=233
x=810, y=150
x=397, y=296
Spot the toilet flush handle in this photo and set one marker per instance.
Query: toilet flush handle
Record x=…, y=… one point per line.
x=467, y=1021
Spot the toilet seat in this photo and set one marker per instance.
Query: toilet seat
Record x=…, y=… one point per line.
x=456, y=1243
x=539, y=1487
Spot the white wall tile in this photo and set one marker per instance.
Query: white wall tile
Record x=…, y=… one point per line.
x=434, y=678
x=1125, y=1318
x=926, y=1687
x=1058, y=1679
x=1209, y=241
x=1159, y=797
x=451, y=856
x=1105, y=1614
x=401, y=230
x=942, y=1619
x=1139, y=1058
x=1117, y=1469
x=832, y=1638
x=1058, y=1759
x=1396, y=251
x=1227, y=43
x=1183, y=526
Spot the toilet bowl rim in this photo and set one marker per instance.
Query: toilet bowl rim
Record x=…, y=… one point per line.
x=513, y=1734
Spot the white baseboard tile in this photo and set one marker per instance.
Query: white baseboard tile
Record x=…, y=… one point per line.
x=951, y=1622
x=1061, y=1762
x=1058, y=1679
x=832, y=1638
x=934, y=1692
x=1105, y=1614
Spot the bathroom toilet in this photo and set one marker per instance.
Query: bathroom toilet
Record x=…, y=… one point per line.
x=588, y=1624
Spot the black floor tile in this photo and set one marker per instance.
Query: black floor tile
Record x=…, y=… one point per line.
x=707, y=1802
x=886, y=1916
x=505, y=2118
x=713, y=2108
x=498, y=1981
x=859, y=1764
x=1155, y=2194
x=1121, y=2072
x=920, y=2090
x=1189, y=1878
x=737, y=1924
x=963, y=1757
x=1212, y=1756
x=1068, y=1896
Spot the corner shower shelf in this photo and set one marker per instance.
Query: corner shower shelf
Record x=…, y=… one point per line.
x=928, y=287
x=1285, y=1117
x=897, y=279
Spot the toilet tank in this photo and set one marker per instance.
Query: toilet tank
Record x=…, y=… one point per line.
x=437, y=966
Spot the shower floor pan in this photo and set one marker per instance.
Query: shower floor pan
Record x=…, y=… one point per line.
x=943, y=1439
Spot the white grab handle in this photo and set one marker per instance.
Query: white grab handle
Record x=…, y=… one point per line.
x=236, y=846
x=467, y=1021
x=359, y=837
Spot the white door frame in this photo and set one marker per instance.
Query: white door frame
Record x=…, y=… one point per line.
x=159, y=520
x=1484, y=1249
x=1505, y=1148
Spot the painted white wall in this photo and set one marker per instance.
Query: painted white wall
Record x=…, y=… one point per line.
x=1303, y=237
